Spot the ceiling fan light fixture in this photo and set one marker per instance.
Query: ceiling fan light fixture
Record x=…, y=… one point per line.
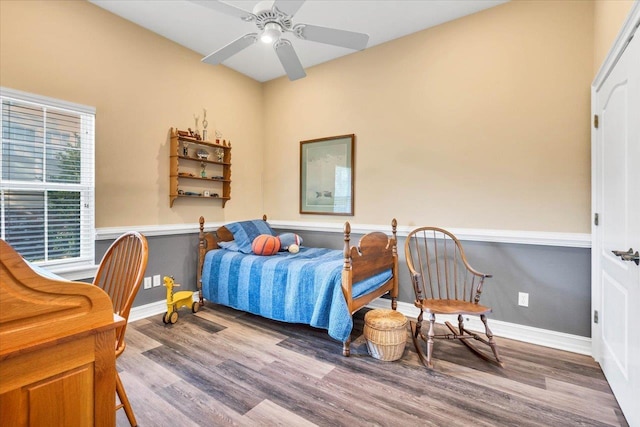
x=271, y=33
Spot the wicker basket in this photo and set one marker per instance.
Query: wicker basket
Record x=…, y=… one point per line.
x=386, y=334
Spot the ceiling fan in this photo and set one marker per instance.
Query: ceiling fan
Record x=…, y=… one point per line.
x=273, y=20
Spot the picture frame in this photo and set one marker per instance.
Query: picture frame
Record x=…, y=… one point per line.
x=327, y=175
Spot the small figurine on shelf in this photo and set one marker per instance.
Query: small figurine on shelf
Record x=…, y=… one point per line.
x=203, y=173
x=194, y=134
x=218, y=136
x=185, y=148
x=220, y=154
x=204, y=125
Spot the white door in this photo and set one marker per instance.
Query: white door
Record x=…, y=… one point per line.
x=616, y=291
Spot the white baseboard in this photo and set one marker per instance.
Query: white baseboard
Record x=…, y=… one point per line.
x=147, y=310
x=514, y=331
x=528, y=334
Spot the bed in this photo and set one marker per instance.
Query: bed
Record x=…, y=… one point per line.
x=319, y=287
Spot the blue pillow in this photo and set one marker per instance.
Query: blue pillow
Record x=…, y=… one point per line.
x=245, y=231
x=230, y=246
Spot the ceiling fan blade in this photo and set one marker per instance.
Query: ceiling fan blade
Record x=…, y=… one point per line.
x=231, y=49
x=288, y=7
x=227, y=9
x=289, y=59
x=342, y=38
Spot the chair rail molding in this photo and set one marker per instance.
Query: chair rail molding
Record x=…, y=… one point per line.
x=542, y=238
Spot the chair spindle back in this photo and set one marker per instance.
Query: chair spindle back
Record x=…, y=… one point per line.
x=120, y=274
x=438, y=267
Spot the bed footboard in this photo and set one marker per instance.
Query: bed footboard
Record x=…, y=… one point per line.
x=375, y=253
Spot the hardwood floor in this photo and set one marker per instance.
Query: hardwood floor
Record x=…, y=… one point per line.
x=224, y=367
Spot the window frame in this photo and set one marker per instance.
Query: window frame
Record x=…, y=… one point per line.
x=82, y=266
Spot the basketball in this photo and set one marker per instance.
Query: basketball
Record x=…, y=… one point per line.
x=265, y=244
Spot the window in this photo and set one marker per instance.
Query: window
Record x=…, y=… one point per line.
x=47, y=179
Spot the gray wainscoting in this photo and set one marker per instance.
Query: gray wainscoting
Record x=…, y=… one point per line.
x=173, y=255
x=557, y=279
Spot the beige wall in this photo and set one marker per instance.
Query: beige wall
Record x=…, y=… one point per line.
x=141, y=85
x=610, y=15
x=482, y=122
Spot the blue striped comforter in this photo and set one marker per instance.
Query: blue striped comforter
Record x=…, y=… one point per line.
x=297, y=288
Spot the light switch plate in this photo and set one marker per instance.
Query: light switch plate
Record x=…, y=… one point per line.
x=156, y=280
x=147, y=283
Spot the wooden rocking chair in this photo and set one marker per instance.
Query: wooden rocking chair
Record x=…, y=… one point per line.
x=445, y=283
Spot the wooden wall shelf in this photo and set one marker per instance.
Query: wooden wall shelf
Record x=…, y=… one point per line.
x=185, y=168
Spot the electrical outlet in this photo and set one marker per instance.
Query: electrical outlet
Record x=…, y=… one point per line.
x=523, y=299
x=147, y=282
x=156, y=280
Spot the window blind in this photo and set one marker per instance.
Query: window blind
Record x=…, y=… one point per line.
x=47, y=182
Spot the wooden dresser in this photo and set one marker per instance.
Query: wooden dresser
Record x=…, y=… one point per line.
x=57, y=349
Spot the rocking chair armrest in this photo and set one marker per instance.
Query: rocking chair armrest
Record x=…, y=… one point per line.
x=474, y=271
x=468, y=266
x=415, y=281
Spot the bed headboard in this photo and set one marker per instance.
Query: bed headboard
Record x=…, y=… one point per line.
x=209, y=241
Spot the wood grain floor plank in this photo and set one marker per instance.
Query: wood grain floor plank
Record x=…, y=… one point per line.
x=596, y=397
x=309, y=404
x=341, y=396
x=199, y=407
x=224, y=316
x=152, y=374
x=149, y=408
x=216, y=381
x=224, y=367
x=138, y=341
x=560, y=401
x=343, y=389
x=267, y=413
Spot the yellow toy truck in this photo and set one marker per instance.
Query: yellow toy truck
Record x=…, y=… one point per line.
x=177, y=300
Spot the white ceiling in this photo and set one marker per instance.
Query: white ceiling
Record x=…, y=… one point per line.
x=204, y=30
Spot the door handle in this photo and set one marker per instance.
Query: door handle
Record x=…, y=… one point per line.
x=628, y=255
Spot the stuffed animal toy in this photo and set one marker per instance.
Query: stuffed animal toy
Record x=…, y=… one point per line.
x=290, y=242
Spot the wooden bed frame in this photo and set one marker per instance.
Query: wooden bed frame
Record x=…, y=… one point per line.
x=375, y=253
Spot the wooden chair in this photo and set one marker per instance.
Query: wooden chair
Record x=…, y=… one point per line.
x=445, y=283
x=120, y=274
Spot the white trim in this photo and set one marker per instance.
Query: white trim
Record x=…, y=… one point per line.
x=109, y=233
x=147, y=310
x=542, y=238
x=528, y=334
x=40, y=99
x=622, y=40
x=74, y=272
x=625, y=34
x=514, y=331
